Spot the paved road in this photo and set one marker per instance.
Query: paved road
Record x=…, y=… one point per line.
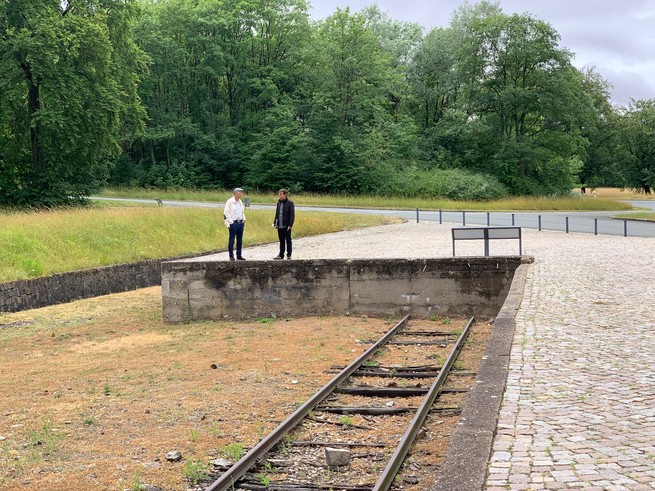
x=599, y=223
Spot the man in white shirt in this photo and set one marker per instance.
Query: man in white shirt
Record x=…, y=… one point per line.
x=235, y=221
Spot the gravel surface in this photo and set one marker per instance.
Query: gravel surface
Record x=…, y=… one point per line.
x=404, y=240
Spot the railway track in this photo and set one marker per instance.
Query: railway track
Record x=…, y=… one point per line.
x=355, y=434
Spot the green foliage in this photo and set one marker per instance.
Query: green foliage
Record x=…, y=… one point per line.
x=233, y=451
x=455, y=184
x=210, y=94
x=45, y=439
x=218, y=67
x=640, y=143
x=606, y=153
x=264, y=479
x=282, y=156
x=41, y=243
x=195, y=470
x=72, y=75
x=529, y=98
x=350, y=117
x=137, y=481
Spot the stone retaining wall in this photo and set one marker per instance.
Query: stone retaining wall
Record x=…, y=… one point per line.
x=213, y=290
x=66, y=287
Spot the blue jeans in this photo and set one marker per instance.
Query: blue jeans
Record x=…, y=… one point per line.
x=236, y=232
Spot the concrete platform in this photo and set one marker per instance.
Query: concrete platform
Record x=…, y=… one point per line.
x=215, y=290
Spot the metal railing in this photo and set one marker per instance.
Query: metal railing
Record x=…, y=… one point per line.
x=553, y=221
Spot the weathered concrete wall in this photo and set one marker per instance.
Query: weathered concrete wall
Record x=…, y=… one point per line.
x=219, y=289
x=67, y=287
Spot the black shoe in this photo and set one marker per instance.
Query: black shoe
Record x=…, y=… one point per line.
x=231, y=258
x=288, y=257
x=278, y=257
x=241, y=258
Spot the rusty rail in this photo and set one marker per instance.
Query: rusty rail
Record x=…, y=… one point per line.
x=393, y=466
x=229, y=478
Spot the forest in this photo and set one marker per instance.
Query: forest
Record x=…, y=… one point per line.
x=212, y=94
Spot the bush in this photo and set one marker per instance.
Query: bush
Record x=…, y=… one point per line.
x=455, y=184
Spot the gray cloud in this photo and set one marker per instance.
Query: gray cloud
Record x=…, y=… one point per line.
x=628, y=85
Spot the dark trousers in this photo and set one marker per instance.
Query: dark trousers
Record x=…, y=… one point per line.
x=284, y=234
x=236, y=232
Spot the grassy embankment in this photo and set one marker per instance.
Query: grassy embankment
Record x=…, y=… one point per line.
x=34, y=244
x=575, y=202
x=605, y=199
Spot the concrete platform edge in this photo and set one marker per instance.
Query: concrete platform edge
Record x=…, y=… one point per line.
x=465, y=465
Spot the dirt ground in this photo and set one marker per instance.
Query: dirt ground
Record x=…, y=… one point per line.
x=95, y=393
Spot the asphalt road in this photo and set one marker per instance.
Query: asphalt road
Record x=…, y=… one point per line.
x=594, y=222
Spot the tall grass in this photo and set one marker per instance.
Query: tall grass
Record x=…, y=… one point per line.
x=573, y=202
x=36, y=244
x=616, y=193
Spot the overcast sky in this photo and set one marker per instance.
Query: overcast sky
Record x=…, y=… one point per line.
x=615, y=36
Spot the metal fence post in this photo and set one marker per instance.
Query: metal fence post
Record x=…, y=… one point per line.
x=488, y=219
x=463, y=219
x=595, y=226
x=539, y=220
x=567, y=225
x=486, y=242
x=625, y=228
x=512, y=219
x=440, y=220
x=416, y=215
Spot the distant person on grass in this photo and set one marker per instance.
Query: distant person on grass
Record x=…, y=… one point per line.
x=235, y=221
x=285, y=214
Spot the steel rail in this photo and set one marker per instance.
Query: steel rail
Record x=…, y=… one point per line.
x=393, y=466
x=229, y=478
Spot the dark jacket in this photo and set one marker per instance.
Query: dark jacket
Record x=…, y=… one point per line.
x=288, y=214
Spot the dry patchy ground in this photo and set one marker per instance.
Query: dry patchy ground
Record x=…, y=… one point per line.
x=96, y=392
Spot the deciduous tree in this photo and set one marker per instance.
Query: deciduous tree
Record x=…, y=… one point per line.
x=521, y=84
x=640, y=142
x=68, y=78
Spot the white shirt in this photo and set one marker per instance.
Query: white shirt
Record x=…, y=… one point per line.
x=233, y=211
x=238, y=211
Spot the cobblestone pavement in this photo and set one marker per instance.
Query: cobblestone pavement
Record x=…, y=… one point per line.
x=579, y=406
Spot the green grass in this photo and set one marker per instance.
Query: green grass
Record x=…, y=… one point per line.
x=34, y=244
x=233, y=451
x=644, y=215
x=45, y=439
x=573, y=202
x=195, y=470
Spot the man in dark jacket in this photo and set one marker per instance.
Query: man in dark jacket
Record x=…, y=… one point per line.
x=285, y=214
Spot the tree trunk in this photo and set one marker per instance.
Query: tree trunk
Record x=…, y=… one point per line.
x=33, y=105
